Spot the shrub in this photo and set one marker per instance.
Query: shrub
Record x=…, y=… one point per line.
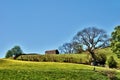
x=101, y=58
x=111, y=62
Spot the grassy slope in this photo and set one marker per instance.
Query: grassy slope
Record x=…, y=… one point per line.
x=21, y=70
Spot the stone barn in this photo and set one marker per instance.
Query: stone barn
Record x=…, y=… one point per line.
x=52, y=52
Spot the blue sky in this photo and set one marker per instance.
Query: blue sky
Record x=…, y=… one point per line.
x=39, y=25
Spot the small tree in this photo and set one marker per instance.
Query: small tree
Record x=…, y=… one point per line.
x=77, y=47
x=9, y=54
x=15, y=51
x=111, y=62
x=66, y=48
x=72, y=47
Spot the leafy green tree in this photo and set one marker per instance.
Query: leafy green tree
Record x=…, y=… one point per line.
x=14, y=52
x=115, y=43
x=101, y=58
x=9, y=54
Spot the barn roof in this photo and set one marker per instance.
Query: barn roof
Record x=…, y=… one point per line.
x=52, y=50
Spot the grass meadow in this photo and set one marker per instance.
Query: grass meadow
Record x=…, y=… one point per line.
x=25, y=70
x=32, y=70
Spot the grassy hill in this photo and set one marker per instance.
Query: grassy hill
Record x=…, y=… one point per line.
x=25, y=70
x=57, y=70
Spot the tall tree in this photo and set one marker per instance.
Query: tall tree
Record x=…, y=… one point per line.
x=92, y=38
x=115, y=43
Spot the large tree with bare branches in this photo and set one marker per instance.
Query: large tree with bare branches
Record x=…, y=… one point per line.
x=92, y=38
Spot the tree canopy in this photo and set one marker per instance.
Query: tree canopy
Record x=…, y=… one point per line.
x=115, y=43
x=14, y=52
x=9, y=54
x=92, y=38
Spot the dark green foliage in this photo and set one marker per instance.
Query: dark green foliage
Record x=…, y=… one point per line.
x=101, y=58
x=116, y=41
x=15, y=51
x=111, y=62
x=9, y=54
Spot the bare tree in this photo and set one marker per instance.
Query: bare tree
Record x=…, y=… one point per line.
x=66, y=48
x=77, y=47
x=92, y=38
x=73, y=47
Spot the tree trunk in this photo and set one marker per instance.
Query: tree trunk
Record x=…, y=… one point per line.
x=93, y=58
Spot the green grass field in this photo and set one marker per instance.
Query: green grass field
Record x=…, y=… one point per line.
x=24, y=70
